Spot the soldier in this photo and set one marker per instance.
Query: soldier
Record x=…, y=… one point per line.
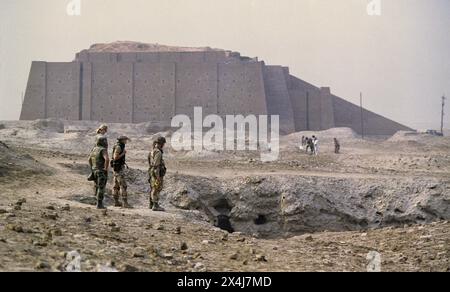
x=337, y=146
x=118, y=164
x=102, y=130
x=157, y=171
x=302, y=146
x=99, y=162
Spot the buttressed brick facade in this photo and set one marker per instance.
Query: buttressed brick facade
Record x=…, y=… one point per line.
x=136, y=87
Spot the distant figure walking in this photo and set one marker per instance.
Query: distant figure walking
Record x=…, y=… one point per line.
x=303, y=145
x=309, y=145
x=315, y=143
x=337, y=146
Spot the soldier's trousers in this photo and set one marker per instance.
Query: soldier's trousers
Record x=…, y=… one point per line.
x=120, y=183
x=336, y=149
x=156, y=189
x=100, y=178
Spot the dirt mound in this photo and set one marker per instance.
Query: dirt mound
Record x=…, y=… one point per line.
x=407, y=136
x=327, y=135
x=128, y=46
x=416, y=139
x=16, y=165
x=49, y=125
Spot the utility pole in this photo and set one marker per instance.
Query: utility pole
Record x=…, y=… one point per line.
x=362, y=115
x=442, y=114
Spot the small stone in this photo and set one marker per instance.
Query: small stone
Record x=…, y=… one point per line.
x=245, y=262
x=112, y=224
x=178, y=230
x=199, y=267
x=88, y=252
x=105, y=268
x=42, y=266
x=205, y=242
x=241, y=239
x=159, y=227
x=275, y=248
x=426, y=237
x=59, y=242
x=88, y=219
x=65, y=207
x=50, y=207
x=115, y=229
x=39, y=243
x=433, y=186
x=183, y=246
x=20, y=202
x=105, y=212
x=138, y=253
x=260, y=258
x=234, y=256
x=128, y=269
x=309, y=238
x=3, y=211
x=57, y=232
x=167, y=256
x=50, y=216
x=225, y=237
x=16, y=228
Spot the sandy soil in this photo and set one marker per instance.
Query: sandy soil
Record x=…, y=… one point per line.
x=46, y=214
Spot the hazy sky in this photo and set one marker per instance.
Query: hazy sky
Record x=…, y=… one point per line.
x=399, y=60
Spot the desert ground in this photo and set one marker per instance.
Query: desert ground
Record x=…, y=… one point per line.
x=300, y=213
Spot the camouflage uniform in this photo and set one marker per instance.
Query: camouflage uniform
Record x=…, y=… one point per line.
x=100, y=176
x=156, y=171
x=120, y=182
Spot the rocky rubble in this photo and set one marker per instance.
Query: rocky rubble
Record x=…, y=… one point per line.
x=274, y=206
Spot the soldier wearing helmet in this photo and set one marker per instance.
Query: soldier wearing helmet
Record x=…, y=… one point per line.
x=157, y=171
x=118, y=164
x=102, y=130
x=99, y=163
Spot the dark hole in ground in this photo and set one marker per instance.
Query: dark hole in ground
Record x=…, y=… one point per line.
x=260, y=220
x=223, y=208
x=223, y=222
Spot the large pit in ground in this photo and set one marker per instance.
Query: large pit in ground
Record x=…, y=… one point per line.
x=280, y=206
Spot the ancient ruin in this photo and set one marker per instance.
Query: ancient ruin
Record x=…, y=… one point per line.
x=127, y=82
